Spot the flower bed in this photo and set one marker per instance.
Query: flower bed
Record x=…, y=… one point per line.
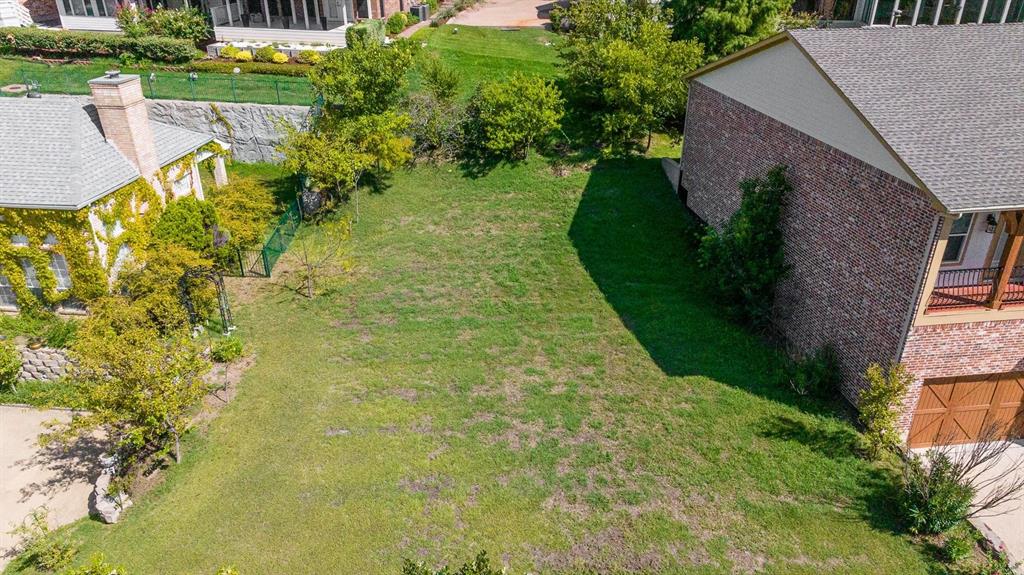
x=291, y=49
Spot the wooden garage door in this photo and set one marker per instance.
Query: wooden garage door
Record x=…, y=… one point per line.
x=960, y=409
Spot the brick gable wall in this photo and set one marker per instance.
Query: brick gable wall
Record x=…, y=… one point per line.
x=856, y=237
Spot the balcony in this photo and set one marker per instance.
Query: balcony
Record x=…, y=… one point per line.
x=965, y=289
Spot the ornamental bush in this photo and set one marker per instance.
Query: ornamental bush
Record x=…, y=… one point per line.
x=184, y=23
x=265, y=54
x=365, y=31
x=33, y=41
x=309, y=57
x=187, y=222
x=40, y=546
x=396, y=23
x=279, y=58
x=746, y=261
x=934, y=499
x=247, y=67
x=511, y=117
x=226, y=349
x=243, y=56
x=880, y=404
x=10, y=365
x=228, y=51
x=244, y=208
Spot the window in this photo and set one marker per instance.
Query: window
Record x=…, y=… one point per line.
x=31, y=279
x=49, y=241
x=59, y=267
x=182, y=186
x=7, y=297
x=957, y=239
x=19, y=240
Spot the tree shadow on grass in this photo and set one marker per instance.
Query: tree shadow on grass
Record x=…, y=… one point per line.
x=636, y=242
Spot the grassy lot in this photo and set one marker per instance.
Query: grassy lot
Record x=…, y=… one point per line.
x=520, y=363
x=73, y=78
x=481, y=54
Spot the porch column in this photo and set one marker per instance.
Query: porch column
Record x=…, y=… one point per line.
x=369, y=8
x=305, y=14
x=1015, y=229
x=266, y=12
x=344, y=12
x=220, y=173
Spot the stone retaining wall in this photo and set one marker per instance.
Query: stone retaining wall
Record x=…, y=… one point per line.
x=255, y=128
x=43, y=364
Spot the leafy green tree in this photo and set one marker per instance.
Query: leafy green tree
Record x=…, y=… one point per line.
x=725, y=26
x=512, y=116
x=365, y=78
x=153, y=287
x=139, y=385
x=624, y=68
x=880, y=406
x=746, y=260
x=339, y=151
x=187, y=222
x=243, y=208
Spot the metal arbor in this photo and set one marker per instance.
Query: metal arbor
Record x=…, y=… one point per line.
x=214, y=277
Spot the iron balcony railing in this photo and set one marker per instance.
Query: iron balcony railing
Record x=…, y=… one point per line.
x=973, y=287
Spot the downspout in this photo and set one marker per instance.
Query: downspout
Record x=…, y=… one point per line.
x=922, y=270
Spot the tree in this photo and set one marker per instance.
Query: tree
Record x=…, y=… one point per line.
x=243, y=208
x=622, y=65
x=511, y=116
x=725, y=26
x=339, y=151
x=746, y=260
x=365, y=78
x=140, y=386
x=187, y=222
x=880, y=404
x=441, y=80
x=319, y=248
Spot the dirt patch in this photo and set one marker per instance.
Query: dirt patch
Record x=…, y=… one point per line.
x=746, y=562
x=432, y=485
x=602, y=552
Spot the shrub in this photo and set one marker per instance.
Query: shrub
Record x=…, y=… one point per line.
x=816, y=374
x=934, y=499
x=959, y=544
x=153, y=287
x=33, y=41
x=745, y=261
x=396, y=23
x=97, y=565
x=244, y=208
x=279, y=58
x=309, y=57
x=247, y=67
x=187, y=222
x=365, y=31
x=265, y=54
x=226, y=349
x=10, y=365
x=510, y=117
x=61, y=333
x=184, y=24
x=228, y=51
x=243, y=56
x=411, y=19
x=40, y=546
x=436, y=127
x=879, y=406
x=441, y=80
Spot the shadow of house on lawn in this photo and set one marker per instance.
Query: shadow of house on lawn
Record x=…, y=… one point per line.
x=635, y=240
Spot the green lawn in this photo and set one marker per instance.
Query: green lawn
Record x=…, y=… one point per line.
x=520, y=363
x=481, y=54
x=73, y=78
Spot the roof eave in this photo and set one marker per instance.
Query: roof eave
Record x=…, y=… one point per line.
x=752, y=49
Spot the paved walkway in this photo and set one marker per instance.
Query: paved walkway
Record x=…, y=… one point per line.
x=506, y=13
x=31, y=476
x=1007, y=521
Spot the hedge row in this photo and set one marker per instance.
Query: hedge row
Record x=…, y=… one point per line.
x=222, y=67
x=31, y=41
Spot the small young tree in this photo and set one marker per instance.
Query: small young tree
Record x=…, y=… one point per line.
x=441, y=80
x=138, y=385
x=746, y=260
x=318, y=249
x=880, y=406
x=512, y=116
x=10, y=366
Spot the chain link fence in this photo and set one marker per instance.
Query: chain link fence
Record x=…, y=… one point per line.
x=238, y=88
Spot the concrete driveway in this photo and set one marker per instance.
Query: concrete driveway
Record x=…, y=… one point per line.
x=1006, y=522
x=31, y=476
x=506, y=13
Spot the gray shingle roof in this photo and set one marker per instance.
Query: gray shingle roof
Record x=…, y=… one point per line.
x=54, y=155
x=948, y=100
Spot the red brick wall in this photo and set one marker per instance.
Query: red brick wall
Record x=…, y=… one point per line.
x=856, y=237
x=960, y=349
x=390, y=7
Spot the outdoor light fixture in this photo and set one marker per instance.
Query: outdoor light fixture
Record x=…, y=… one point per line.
x=990, y=224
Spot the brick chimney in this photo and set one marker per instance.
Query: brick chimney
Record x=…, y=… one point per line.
x=125, y=120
